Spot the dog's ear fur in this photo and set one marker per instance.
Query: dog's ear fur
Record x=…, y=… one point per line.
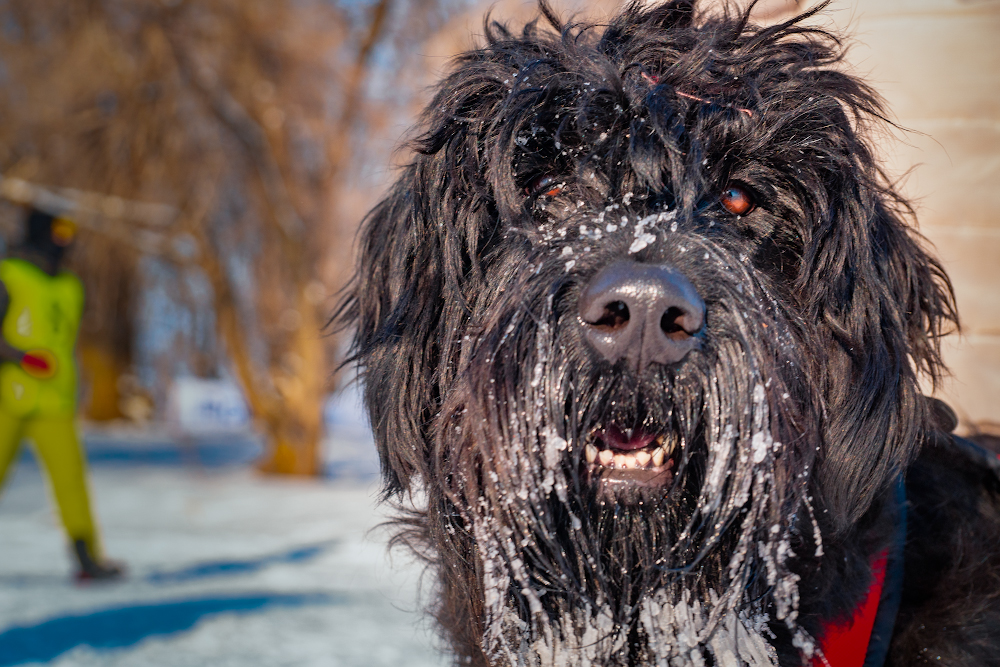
x=393, y=293
x=886, y=302
x=420, y=249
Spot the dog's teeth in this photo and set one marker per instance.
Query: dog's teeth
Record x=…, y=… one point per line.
x=668, y=446
x=591, y=453
x=658, y=456
x=606, y=457
x=642, y=458
x=620, y=461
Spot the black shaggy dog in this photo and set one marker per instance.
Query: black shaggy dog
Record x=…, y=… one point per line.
x=641, y=324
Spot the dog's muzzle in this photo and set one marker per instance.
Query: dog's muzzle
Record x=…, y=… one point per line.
x=646, y=313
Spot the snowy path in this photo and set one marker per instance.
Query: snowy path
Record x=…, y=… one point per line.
x=225, y=568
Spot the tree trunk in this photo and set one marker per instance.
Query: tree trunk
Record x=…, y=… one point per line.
x=286, y=400
x=294, y=421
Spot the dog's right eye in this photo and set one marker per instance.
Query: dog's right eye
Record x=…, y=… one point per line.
x=543, y=185
x=737, y=200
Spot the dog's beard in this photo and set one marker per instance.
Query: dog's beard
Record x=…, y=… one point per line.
x=694, y=570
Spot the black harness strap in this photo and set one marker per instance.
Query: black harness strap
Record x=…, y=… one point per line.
x=892, y=589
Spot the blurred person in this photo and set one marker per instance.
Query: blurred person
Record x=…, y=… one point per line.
x=40, y=310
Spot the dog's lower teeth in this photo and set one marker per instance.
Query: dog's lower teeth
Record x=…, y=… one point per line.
x=609, y=458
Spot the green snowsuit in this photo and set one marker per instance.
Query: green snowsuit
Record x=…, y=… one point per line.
x=44, y=312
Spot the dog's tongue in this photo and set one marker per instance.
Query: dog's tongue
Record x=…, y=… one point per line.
x=615, y=438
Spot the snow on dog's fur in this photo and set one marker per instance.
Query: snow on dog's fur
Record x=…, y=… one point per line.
x=643, y=321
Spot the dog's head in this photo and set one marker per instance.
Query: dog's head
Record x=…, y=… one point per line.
x=640, y=308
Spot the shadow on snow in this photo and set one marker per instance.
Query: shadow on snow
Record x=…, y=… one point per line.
x=118, y=627
x=224, y=568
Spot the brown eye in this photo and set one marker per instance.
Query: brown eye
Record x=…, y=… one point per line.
x=543, y=185
x=736, y=200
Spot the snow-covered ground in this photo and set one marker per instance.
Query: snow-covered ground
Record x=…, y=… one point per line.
x=226, y=567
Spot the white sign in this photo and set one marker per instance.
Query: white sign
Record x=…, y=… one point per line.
x=197, y=404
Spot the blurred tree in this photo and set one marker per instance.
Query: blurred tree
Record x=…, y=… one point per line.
x=243, y=118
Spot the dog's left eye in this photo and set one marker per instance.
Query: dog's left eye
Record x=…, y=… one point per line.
x=737, y=200
x=543, y=185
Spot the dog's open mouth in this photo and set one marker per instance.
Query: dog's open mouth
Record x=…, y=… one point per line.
x=630, y=457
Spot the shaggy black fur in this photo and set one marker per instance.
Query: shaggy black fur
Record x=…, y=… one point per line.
x=556, y=152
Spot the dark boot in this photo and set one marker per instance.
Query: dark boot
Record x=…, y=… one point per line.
x=91, y=569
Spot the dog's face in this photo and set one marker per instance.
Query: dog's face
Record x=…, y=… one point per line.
x=642, y=319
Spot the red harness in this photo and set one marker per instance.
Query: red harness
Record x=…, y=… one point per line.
x=862, y=640
x=846, y=644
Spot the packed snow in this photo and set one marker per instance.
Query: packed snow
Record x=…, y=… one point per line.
x=225, y=567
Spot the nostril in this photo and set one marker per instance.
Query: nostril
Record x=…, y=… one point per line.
x=614, y=316
x=680, y=323
x=672, y=323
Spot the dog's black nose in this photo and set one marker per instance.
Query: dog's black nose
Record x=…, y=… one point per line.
x=647, y=313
